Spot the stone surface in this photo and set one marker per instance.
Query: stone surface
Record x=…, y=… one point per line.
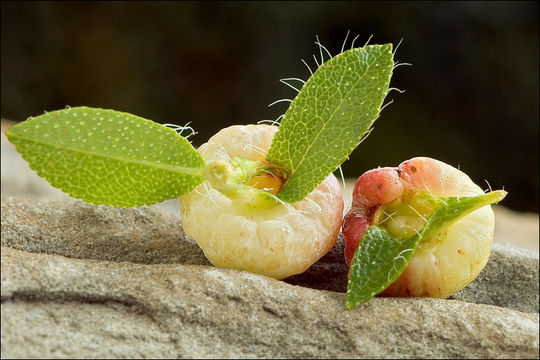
x=516, y=228
x=76, y=229
x=510, y=279
x=54, y=306
x=80, y=280
x=150, y=235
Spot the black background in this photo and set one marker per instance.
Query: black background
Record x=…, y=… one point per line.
x=471, y=93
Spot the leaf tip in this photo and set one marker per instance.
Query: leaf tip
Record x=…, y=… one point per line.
x=498, y=195
x=10, y=134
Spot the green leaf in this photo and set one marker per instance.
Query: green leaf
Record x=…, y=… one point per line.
x=108, y=157
x=330, y=116
x=381, y=259
x=454, y=208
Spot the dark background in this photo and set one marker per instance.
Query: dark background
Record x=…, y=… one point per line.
x=471, y=95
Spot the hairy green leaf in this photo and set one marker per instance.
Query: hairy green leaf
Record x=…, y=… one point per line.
x=330, y=116
x=108, y=157
x=381, y=259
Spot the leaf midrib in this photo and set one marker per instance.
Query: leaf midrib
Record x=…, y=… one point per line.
x=328, y=121
x=182, y=170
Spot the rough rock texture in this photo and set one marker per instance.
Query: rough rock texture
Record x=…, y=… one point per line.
x=54, y=306
x=150, y=235
x=510, y=279
x=76, y=229
x=80, y=280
